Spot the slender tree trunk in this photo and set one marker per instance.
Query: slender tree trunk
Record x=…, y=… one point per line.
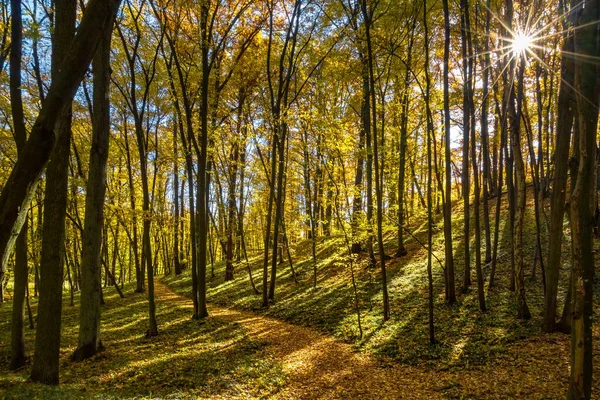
x=89, y=342
x=47, y=341
x=368, y=15
x=139, y=277
x=587, y=89
x=278, y=204
x=176, y=265
x=559, y=188
x=193, y=235
x=233, y=171
x=522, y=309
x=429, y=179
x=403, y=144
x=147, y=249
x=203, y=186
x=267, y=242
x=366, y=121
x=357, y=192
x=448, y=251
x=467, y=107
x=477, y=200
x=309, y=208
x=485, y=137
x=17, y=353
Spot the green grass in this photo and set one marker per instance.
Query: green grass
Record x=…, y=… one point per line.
x=465, y=335
x=215, y=357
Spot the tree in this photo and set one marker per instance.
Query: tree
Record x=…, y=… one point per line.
x=21, y=270
x=587, y=96
x=429, y=178
x=47, y=339
x=367, y=12
x=89, y=342
x=566, y=105
x=515, y=112
x=467, y=56
x=450, y=285
x=25, y=175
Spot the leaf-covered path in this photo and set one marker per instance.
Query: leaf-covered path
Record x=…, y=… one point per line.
x=239, y=354
x=317, y=366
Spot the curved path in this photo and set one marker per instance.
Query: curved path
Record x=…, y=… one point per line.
x=317, y=366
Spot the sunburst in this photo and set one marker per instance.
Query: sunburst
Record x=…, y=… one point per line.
x=526, y=40
x=521, y=43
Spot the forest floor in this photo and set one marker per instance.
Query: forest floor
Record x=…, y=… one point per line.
x=307, y=345
x=239, y=354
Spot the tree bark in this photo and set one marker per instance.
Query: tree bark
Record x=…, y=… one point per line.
x=587, y=91
x=17, y=353
x=25, y=175
x=449, y=252
x=566, y=105
x=522, y=309
x=89, y=342
x=47, y=340
x=467, y=107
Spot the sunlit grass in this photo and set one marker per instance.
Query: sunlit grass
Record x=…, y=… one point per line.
x=330, y=308
x=217, y=357
x=213, y=358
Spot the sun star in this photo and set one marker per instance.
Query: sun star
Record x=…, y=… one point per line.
x=521, y=43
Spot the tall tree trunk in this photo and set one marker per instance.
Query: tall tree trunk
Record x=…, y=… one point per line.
x=566, y=105
x=139, y=277
x=203, y=189
x=231, y=193
x=278, y=202
x=405, y=107
x=269, y=217
x=368, y=19
x=89, y=342
x=176, y=255
x=47, y=340
x=522, y=309
x=357, y=192
x=477, y=200
x=25, y=175
x=17, y=348
x=448, y=251
x=467, y=107
x=366, y=122
x=429, y=180
x=587, y=89
x=485, y=137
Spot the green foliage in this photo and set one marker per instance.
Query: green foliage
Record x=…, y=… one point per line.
x=215, y=357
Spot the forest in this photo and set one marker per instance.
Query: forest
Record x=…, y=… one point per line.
x=378, y=199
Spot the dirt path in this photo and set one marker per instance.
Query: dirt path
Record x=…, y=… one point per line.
x=319, y=367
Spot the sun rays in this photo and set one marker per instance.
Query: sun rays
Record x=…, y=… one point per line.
x=521, y=43
x=529, y=38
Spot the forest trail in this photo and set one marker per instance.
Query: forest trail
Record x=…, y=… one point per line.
x=318, y=366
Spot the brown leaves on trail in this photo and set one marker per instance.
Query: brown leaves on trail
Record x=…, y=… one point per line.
x=235, y=354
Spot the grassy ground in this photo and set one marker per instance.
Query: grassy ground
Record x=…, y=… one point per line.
x=211, y=358
x=253, y=354
x=466, y=336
